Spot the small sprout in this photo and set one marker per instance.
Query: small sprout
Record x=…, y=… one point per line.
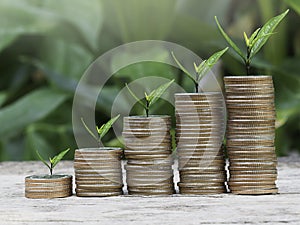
x=102, y=131
x=53, y=161
x=256, y=41
x=202, y=69
x=152, y=97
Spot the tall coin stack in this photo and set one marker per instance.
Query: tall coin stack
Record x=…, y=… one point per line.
x=200, y=125
x=98, y=172
x=251, y=134
x=148, y=151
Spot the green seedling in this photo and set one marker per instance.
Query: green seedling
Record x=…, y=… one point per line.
x=256, y=41
x=202, y=68
x=53, y=161
x=151, y=98
x=101, y=131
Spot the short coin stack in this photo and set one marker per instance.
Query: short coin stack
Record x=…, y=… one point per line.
x=250, y=135
x=98, y=172
x=200, y=125
x=148, y=151
x=54, y=186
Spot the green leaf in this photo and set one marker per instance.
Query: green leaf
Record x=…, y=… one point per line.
x=41, y=158
x=209, y=63
x=157, y=93
x=230, y=42
x=263, y=34
x=200, y=67
x=136, y=98
x=105, y=127
x=89, y=130
x=253, y=36
x=246, y=39
x=29, y=109
x=184, y=69
x=56, y=159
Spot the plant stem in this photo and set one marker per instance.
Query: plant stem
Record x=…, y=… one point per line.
x=248, y=68
x=147, y=108
x=247, y=62
x=51, y=169
x=196, y=87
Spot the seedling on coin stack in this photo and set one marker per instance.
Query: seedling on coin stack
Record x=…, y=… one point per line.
x=251, y=119
x=200, y=125
x=98, y=171
x=49, y=185
x=148, y=148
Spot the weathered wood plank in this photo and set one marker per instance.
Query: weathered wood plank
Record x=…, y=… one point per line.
x=218, y=209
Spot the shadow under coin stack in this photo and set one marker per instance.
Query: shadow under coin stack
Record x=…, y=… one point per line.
x=149, y=155
x=200, y=125
x=251, y=134
x=98, y=172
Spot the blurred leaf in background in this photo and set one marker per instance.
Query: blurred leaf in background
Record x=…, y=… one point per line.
x=45, y=47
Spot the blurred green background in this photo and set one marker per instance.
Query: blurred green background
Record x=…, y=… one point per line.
x=46, y=45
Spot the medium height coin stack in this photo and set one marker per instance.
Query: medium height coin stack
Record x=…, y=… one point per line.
x=148, y=153
x=98, y=172
x=200, y=125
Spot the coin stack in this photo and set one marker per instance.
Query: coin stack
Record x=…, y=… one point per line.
x=54, y=186
x=200, y=125
x=148, y=151
x=98, y=172
x=251, y=134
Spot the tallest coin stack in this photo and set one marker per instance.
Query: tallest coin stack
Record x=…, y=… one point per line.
x=250, y=134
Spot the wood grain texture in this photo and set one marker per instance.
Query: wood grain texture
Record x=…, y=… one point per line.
x=176, y=209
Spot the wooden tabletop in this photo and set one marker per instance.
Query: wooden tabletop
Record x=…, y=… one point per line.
x=177, y=209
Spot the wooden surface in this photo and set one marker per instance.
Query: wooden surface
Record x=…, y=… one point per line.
x=215, y=209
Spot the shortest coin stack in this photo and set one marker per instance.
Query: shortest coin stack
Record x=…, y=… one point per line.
x=98, y=172
x=148, y=151
x=45, y=186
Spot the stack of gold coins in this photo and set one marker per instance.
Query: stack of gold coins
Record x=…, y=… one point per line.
x=46, y=186
x=200, y=125
x=98, y=172
x=149, y=154
x=251, y=134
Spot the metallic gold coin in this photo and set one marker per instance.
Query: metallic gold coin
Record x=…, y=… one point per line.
x=151, y=192
x=84, y=193
x=40, y=195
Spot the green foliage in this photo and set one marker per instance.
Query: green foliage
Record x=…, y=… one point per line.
x=60, y=39
x=32, y=107
x=151, y=98
x=53, y=161
x=102, y=131
x=257, y=40
x=202, y=68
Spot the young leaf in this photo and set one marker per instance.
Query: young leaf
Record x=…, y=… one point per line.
x=200, y=67
x=88, y=130
x=183, y=69
x=230, y=42
x=209, y=63
x=56, y=159
x=157, y=93
x=263, y=34
x=41, y=158
x=253, y=36
x=246, y=39
x=105, y=127
x=135, y=97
